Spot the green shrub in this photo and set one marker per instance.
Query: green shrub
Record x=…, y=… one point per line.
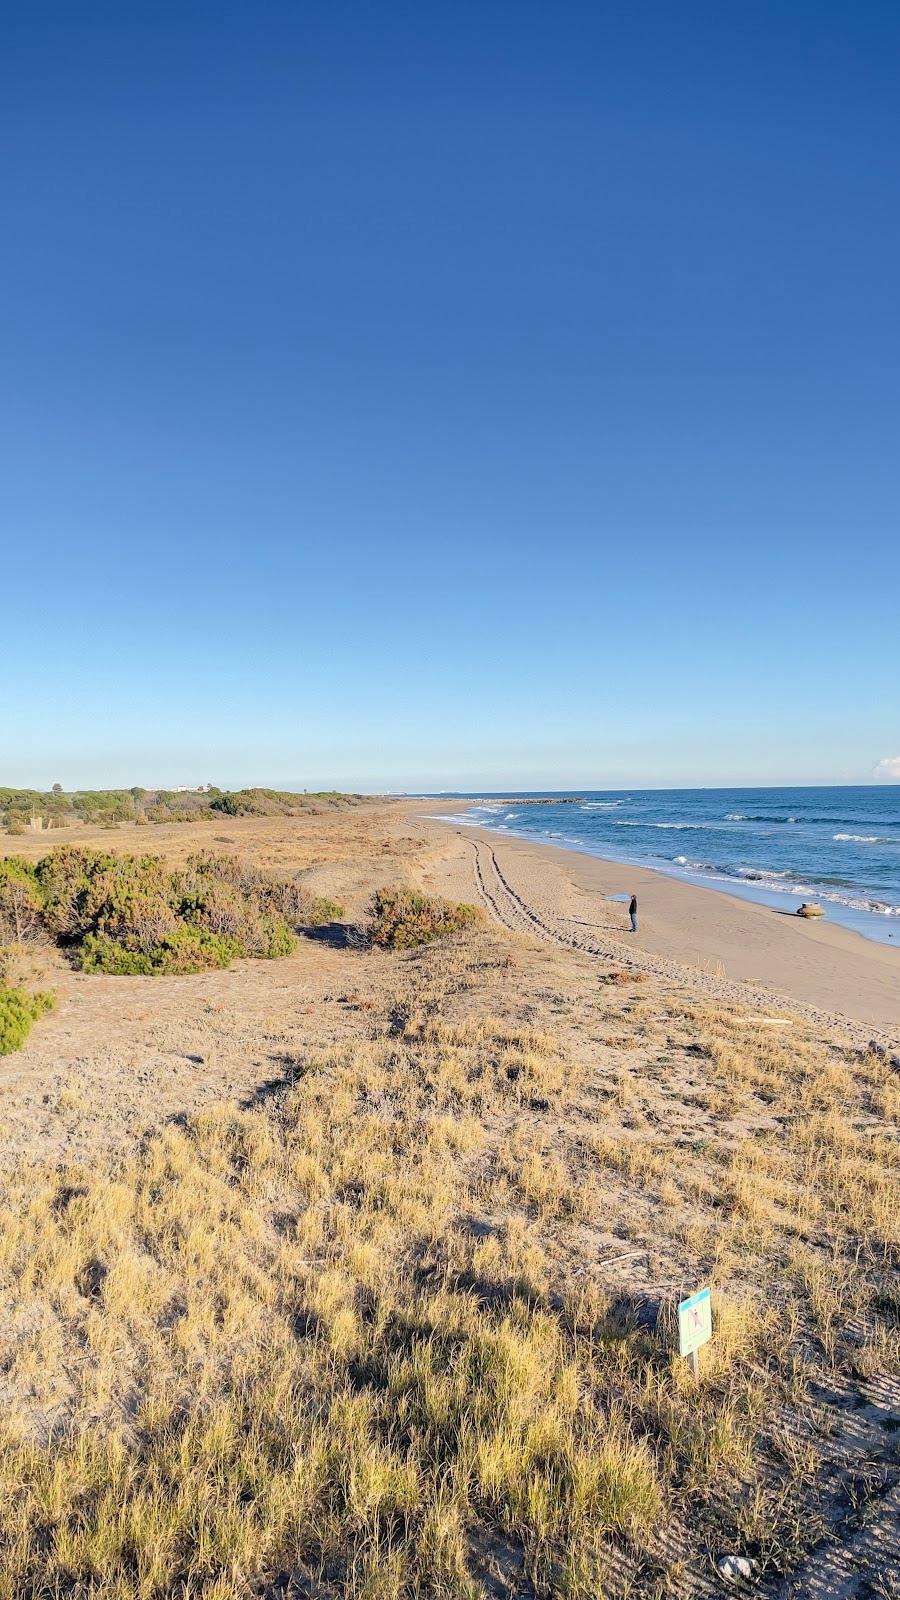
x=173, y=813
x=228, y=804
x=127, y=898
x=133, y=915
x=292, y=901
x=227, y=896
x=177, y=954
x=218, y=907
x=132, y=907
x=65, y=878
x=277, y=940
x=18, y=805
x=21, y=904
x=274, y=802
x=205, y=867
x=99, y=953
x=287, y=898
x=18, y=1010
x=402, y=918
x=108, y=807
x=324, y=910
x=255, y=803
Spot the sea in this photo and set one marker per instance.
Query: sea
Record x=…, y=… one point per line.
x=839, y=847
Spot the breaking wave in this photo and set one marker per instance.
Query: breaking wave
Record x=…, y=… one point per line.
x=699, y=826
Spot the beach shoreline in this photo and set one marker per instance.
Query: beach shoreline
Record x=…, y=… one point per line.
x=845, y=899
x=702, y=928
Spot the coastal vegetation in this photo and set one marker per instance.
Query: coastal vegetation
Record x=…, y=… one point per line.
x=18, y=1011
x=271, y=802
x=124, y=914
x=21, y=901
x=402, y=918
x=21, y=809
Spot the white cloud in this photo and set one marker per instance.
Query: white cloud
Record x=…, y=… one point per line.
x=888, y=770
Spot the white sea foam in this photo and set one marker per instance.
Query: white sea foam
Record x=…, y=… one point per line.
x=879, y=907
x=776, y=883
x=678, y=826
x=860, y=838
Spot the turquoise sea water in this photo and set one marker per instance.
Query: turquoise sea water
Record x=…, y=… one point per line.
x=840, y=847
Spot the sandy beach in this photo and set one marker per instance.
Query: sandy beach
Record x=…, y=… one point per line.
x=709, y=938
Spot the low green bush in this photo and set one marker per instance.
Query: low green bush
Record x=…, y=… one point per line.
x=324, y=910
x=227, y=896
x=292, y=900
x=287, y=898
x=175, y=954
x=402, y=918
x=278, y=940
x=21, y=904
x=18, y=1011
x=99, y=953
x=134, y=915
x=275, y=802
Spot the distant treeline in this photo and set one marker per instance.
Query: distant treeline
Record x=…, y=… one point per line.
x=56, y=809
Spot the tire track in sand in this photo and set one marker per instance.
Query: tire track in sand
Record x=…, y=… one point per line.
x=508, y=907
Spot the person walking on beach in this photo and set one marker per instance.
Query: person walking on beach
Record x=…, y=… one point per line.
x=632, y=912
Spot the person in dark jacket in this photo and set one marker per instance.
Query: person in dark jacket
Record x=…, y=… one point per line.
x=632, y=912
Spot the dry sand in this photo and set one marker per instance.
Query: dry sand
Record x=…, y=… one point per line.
x=693, y=933
x=120, y=1055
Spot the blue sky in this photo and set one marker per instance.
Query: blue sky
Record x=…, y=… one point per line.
x=452, y=395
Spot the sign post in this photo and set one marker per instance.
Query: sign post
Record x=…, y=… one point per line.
x=694, y=1326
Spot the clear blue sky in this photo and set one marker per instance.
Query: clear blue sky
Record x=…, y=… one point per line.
x=453, y=394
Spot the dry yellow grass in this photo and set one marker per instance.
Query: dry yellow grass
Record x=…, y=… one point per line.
x=403, y=1326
